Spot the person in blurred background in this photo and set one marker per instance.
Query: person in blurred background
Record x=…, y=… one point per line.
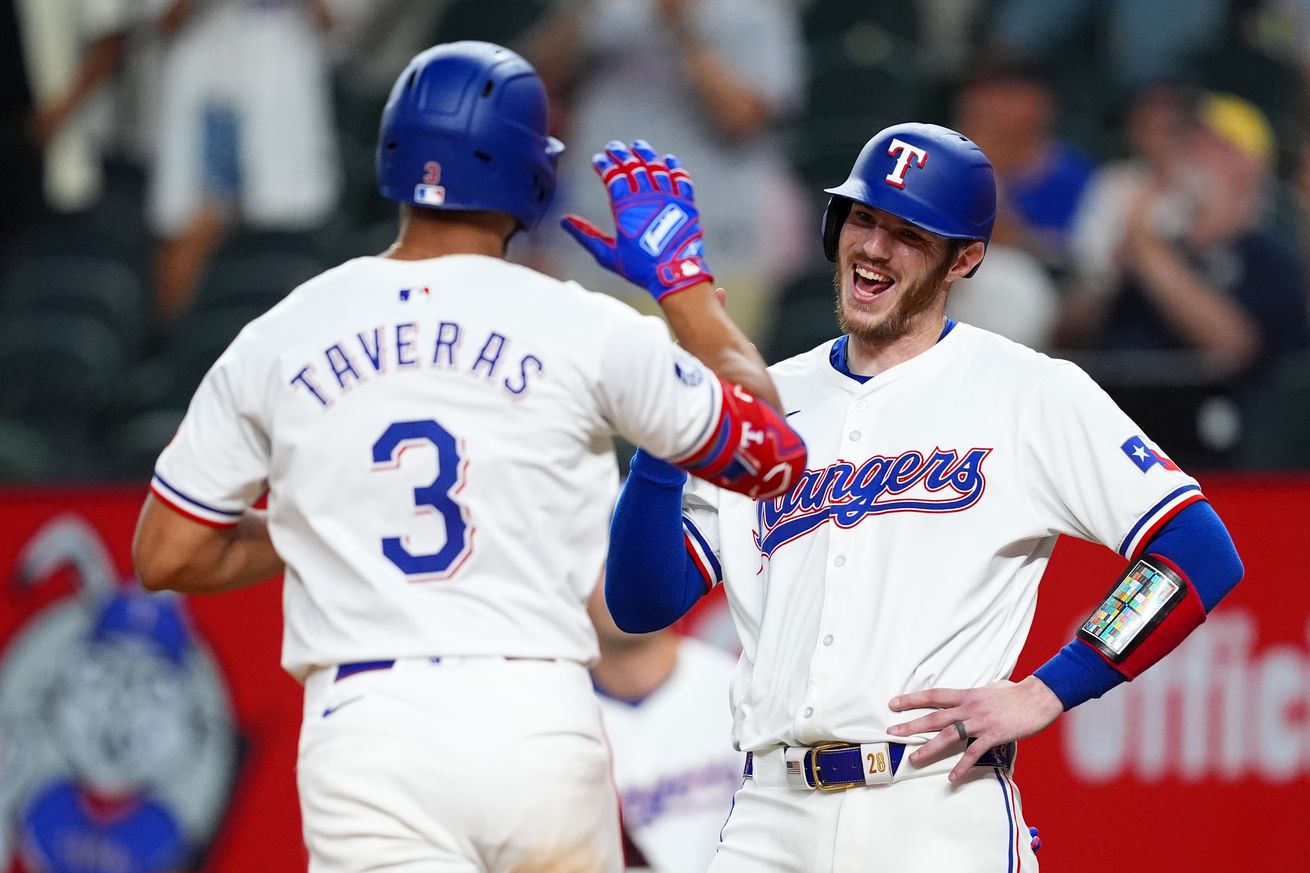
x=1012, y=294
x=1200, y=268
x=1011, y=112
x=245, y=132
x=1155, y=121
x=716, y=77
x=674, y=797
x=1142, y=42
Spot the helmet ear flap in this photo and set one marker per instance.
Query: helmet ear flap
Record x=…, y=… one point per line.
x=833, y=218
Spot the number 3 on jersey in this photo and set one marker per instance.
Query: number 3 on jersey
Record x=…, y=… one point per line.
x=438, y=495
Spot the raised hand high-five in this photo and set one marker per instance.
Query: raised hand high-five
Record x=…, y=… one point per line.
x=657, y=241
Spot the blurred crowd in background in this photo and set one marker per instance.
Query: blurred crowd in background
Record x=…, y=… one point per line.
x=172, y=168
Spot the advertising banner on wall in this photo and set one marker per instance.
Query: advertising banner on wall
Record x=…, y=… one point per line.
x=138, y=732
x=144, y=732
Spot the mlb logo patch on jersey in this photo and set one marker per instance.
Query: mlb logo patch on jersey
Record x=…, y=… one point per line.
x=1144, y=456
x=691, y=376
x=406, y=293
x=688, y=370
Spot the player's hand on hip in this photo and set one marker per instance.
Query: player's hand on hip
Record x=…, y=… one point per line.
x=657, y=241
x=992, y=715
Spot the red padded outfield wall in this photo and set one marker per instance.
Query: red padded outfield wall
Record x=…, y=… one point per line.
x=161, y=733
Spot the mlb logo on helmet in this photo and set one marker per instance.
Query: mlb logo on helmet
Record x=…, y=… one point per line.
x=429, y=195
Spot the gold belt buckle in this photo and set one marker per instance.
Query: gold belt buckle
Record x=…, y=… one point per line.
x=814, y=767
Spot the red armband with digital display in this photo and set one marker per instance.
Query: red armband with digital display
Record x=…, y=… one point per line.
x=1149, y=611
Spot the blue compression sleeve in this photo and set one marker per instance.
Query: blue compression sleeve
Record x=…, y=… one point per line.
x=1198, y=543
x=650, y=582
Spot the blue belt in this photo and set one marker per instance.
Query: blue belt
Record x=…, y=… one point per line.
x=842, y=766
x=345, y=670
x=364, y=666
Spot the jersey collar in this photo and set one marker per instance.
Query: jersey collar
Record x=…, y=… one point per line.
x=837, y=354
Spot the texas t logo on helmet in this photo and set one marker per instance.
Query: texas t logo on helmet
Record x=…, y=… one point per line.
x=907, y=153
x=953, y=196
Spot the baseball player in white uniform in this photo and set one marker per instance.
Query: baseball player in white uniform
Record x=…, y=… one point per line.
x=674, y=796
x=883, y=601
x=432, y=428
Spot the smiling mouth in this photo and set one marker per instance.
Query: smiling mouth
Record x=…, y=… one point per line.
x=868, y=284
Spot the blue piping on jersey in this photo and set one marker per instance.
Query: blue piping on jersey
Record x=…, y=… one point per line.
x=160, y=479
x=690, y=527
x=1009, y=815
x=1150, y=514
x=837, y=354
x=731, y=807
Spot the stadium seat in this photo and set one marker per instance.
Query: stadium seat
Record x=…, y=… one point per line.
x=62, y=369
x=100, y=288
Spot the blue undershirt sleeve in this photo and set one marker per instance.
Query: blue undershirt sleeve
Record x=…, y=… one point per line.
x=1198, y=543
x=650, y=582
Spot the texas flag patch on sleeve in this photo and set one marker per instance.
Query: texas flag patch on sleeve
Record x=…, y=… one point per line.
x=1144, y=456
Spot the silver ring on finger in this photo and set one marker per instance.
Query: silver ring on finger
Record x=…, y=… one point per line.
x=959, y=729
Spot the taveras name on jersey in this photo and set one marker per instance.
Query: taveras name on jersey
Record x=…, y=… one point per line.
x=435, y=440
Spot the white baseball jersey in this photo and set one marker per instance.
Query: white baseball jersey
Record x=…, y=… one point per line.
x=908, y=556
x=435, y=440
x=675, y=783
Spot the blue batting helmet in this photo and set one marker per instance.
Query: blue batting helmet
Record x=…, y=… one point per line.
x=930, y=176
x=465, y=128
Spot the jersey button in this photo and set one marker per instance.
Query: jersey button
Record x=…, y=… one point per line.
x=855, y=435
x=839, y=561
x=827, y=641
x=861, y=406
x=807, y=711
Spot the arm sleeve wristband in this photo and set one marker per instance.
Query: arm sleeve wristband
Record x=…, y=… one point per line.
x=650, y=582
x=1078, y=673
x=1196, y=547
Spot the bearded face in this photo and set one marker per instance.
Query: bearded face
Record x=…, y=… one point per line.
x=864, y=319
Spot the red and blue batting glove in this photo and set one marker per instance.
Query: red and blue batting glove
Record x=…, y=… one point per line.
x=657, y=242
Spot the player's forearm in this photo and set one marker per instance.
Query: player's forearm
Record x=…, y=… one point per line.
x=649, y=581
x=176, y=554
x=249, y=557
x=703, y=328
x=1196, y=543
